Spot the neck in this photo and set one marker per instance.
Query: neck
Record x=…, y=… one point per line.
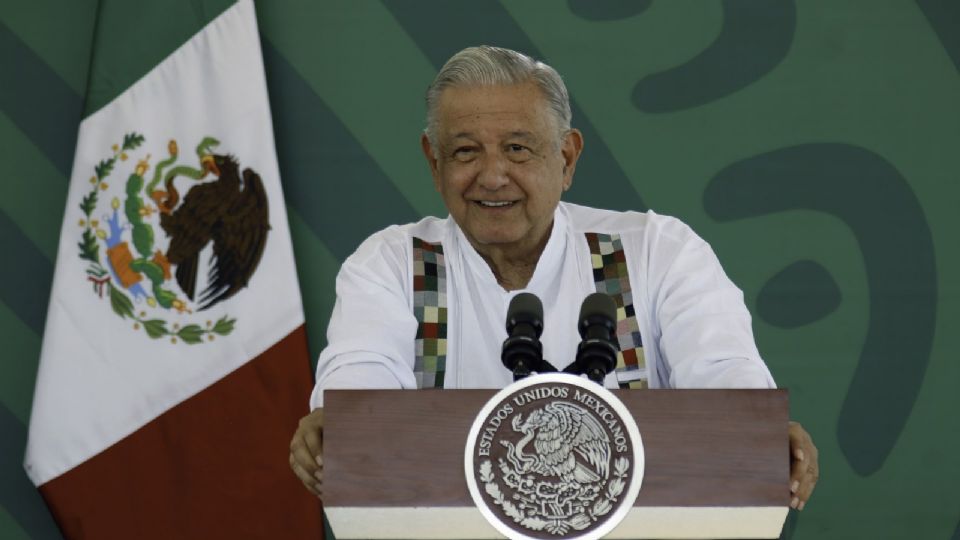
x=513, y=266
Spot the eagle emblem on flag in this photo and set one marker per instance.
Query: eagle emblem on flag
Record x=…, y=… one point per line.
x=175, y=241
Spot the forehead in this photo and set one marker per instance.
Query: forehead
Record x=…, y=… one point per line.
x=493, y=109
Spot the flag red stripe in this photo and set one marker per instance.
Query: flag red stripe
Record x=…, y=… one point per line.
x=214, y=466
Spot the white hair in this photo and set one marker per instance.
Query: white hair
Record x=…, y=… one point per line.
x=491, y=66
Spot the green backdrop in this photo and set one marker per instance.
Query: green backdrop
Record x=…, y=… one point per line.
x=815, y=144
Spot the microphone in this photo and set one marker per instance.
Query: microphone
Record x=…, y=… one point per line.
x=522, y=351
x=597, y=353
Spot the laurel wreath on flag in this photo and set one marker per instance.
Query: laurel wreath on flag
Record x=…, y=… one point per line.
x=102, y=278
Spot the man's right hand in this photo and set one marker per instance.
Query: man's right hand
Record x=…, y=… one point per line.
x=306, y=452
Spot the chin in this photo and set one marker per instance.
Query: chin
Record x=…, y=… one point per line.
x=491, y=239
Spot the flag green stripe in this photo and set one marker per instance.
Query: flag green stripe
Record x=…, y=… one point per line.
x=603, y=182
x=328, y=177
x=25, y=276
x=133, y=37
x=38, y=101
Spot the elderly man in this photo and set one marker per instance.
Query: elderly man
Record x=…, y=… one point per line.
x=423, y=305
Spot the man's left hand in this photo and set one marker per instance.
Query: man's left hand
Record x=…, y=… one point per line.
x=804, y=466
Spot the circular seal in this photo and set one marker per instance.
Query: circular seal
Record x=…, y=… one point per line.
x=554, y=456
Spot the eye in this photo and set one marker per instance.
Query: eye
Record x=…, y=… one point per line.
x=517, y=152
x=464, y=153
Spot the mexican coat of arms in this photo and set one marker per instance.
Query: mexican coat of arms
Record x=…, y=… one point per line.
x=554, y=456
x=167, y=244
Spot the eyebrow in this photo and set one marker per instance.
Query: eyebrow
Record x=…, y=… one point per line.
x=525, y=135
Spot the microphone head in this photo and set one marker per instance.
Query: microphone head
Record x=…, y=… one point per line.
x=525, y=308
x=597, y=308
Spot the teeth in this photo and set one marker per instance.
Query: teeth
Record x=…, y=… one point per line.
x=495, y=204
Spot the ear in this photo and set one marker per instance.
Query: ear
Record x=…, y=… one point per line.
x=431, y=159
x=570, y=148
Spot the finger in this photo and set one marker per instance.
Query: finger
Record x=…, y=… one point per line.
x=798, y=468
x=301, y=454
x=796, y=482
x=804, y=476
x=809, y=482
x=802, y=479
x=800, y=443
x=313, y=439
x=312, y=484
x=798, y=473
x=806, y=490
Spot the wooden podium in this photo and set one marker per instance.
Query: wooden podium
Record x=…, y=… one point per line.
x=717, y=464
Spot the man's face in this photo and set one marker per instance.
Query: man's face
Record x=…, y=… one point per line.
x=500, y=163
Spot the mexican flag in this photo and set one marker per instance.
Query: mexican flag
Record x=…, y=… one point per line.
x=174, y=365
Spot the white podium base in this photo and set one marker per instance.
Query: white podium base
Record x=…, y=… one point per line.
x=664, y=522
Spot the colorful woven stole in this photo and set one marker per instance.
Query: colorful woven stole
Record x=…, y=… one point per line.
x=430, y=308
x=611, y=277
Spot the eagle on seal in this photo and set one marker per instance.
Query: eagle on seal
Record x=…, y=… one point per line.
x=232, y=212
x=562, y=432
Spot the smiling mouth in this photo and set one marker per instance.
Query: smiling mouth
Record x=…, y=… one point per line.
x=495, y=204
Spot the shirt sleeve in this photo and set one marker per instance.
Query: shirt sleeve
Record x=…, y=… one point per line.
x=704, y=334
x=370, y=337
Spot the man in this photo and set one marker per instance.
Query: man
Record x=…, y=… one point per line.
x=423, y=305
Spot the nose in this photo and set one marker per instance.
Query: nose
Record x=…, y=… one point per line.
x=493, y=172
